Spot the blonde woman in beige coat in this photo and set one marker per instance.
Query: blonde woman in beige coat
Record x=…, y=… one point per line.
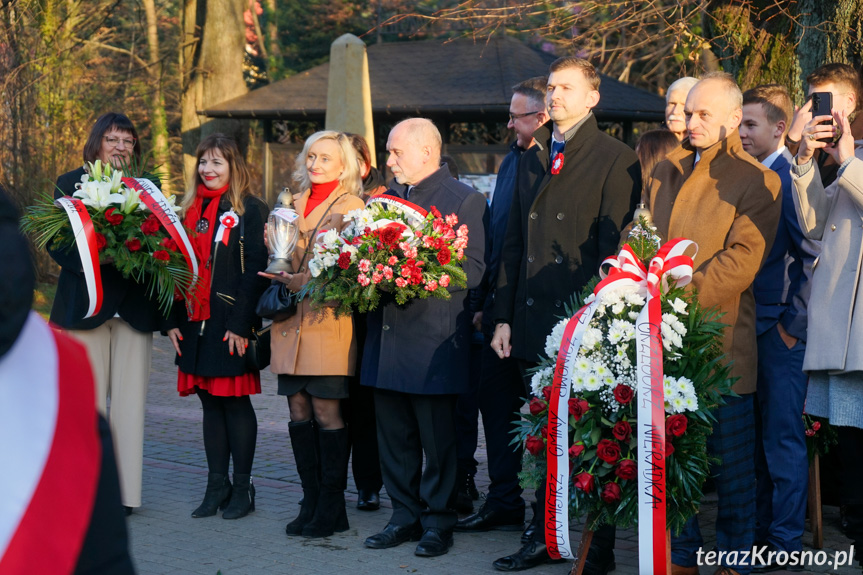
x=314, y=352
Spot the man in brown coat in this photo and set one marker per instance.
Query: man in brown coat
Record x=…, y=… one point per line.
x=710, y=191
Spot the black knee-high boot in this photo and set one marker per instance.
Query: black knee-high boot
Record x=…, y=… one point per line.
x=304, y=442
x=330, y=515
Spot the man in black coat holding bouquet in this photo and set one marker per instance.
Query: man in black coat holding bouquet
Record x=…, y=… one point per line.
x=576, y=189
x=416, y=357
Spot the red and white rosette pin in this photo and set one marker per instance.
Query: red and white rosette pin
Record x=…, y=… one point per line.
x=557, y=163
x=227, y=222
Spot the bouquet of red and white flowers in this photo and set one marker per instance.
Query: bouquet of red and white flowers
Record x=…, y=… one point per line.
x=390, y=245
x=127, y=221
x=625, y=394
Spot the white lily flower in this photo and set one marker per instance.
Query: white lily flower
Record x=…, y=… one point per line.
x=98, y=195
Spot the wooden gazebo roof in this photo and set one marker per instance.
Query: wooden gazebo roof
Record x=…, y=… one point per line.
x=461, y=79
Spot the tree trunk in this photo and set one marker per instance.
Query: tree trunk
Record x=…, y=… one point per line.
x=158, y=117
x=212, y=71
x=764, y=42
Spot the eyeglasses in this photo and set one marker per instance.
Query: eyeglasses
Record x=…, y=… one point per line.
x=114, y=142
x=514, y=117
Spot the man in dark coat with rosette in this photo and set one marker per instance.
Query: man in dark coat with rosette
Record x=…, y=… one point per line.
x=416, y=356
x=576, y=189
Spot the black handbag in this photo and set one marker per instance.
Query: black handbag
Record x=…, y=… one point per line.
x=276, y=303
x=258, y=351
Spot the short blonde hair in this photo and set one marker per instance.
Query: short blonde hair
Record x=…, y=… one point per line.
x=350, y=179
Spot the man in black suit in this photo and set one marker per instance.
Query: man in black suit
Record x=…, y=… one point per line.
x=577, y=188
x=416, y=357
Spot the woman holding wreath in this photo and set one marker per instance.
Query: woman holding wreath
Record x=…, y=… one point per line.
x=314, y=352
x=212, y=335
x=119, y=338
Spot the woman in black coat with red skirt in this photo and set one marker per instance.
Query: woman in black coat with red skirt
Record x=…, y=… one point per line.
x=212, y=336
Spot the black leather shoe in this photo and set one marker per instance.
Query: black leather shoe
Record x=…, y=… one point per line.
x=127, y=510
x=529, y=556
x=394, y=535
x=368, y=500
x=598, y=562
x=488, y=518
x=527, y=534
x=434, y=542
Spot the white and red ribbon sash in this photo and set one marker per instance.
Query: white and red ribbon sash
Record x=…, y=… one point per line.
x=85, y=240
x=158, y=204
x=414, y=213
x=669, y=265
x=46, y=509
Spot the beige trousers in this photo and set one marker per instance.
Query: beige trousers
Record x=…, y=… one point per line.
x=120, y=356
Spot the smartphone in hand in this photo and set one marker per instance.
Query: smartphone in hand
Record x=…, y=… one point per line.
x=822, y=105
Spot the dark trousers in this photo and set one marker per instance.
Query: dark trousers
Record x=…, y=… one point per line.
x=409, y=426
x=781, y=464
x=467, y=416
x=733, y=443
x=360, y=415
x=501, y=395
x=365, y=460
x=851, y=457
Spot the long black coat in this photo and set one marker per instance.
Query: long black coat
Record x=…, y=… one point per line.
x=561, y=226
x=233, y=298
x=422, y=347
x=120, y=296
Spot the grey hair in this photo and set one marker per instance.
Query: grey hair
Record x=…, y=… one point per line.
x=350, y=179
x=685, y=83
x=735, y=96
x=422, y=132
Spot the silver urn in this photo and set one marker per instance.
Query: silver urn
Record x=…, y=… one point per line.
x=282, y=234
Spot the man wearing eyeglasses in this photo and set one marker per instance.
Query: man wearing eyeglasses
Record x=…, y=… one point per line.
x=501, y=388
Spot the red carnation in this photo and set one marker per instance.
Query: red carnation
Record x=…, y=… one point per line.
x=537, y=406
x=622, y=430
x=608, y=451
x=534, y=445
x=675, y=425
x=169, y=244
x=114, y=218
x=578, y=407
x=443, y=256
x=623, y=394
x=150, y=226
x=101, y=242
x=391, y=234
x=576, y=449
x=344, y=260
x=435, y=212
x=162, y=255
x=133, y=245
x=583, y=481
x=611, y=493
x=626, y=469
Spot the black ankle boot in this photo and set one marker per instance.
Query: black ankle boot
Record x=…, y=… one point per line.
x=243, y=498
x=330, y=515
x=217, y=495
x=304, y=442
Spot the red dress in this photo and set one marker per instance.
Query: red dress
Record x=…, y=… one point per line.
x=234, y=386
